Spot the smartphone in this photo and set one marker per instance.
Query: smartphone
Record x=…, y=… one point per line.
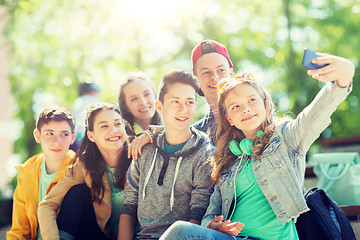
x=308, y=56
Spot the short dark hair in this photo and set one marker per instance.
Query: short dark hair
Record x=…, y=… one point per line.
x=177, y=76
x=57, y=113
x=88, y=87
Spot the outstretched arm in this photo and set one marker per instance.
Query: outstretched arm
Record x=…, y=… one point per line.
x=339, y=69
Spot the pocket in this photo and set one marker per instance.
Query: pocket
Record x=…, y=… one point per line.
x=275, y=154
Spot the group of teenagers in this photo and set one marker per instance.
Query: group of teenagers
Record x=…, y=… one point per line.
x=145, y=171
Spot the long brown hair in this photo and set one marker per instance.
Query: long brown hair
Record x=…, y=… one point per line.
x=132, y=77
x=89, y=154
x=223, y=158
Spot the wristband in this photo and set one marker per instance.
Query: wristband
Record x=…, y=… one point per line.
x=147, y=133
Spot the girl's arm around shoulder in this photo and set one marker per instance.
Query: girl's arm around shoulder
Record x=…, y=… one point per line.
x=47, y=211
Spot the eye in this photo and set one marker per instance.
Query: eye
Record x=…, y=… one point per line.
x=118, y=124
x=147, y=94
x=133, y=99
x=65, y=134
x=252, y=100
x=49, y=133
x=234, y=107
x=174, y=101
x=191, y=102
x=205, y=73
x=104, y=126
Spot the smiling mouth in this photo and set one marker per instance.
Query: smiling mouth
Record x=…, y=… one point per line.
x=181, y=118
x=145, y=109
x=113, y=139
x=212, y=86
x=56, y=150
x=248, y=118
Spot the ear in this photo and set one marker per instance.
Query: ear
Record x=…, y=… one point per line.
x=229, y=120
x=37, y=134
x=90, y=135
x=73, y=137
x=158, y=106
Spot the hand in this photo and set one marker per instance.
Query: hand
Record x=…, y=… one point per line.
x=136, y=145
x=339, y=69
x=233, y=229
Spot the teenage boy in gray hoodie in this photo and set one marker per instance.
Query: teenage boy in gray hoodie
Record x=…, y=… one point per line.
x=171, y=180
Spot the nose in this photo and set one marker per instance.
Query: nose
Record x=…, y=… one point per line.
x=58, y=140
x=246, y=108
x=143, y=100
x=215, y=76
x=182, y=107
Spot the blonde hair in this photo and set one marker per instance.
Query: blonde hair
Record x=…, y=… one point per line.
x=223, y=157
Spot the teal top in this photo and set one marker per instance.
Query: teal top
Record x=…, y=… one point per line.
x=117, y=200
x=255, y=212
x=170, y=149
x=45, y=180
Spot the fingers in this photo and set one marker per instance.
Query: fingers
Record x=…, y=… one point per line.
x=235, y=228
x=339, y=69
x=218, y=218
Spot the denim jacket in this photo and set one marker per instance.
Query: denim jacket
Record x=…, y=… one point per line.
x=280, y=170
x=208, y=125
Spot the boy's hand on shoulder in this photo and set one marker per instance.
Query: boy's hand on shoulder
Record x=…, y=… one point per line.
x=233, y=229
x=339, y=69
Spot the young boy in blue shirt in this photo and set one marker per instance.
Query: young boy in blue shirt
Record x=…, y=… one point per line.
x=55, y=132
x=171, y=180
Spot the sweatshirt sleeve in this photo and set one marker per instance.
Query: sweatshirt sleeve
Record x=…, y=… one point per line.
x=132, y=189
x=48, y=208
x=203, y=188
x=20, y=228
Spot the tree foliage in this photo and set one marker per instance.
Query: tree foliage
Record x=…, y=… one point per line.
x=58, y=44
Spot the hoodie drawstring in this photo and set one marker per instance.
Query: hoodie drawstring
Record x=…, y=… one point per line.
x=148, y=175
x=173, y=185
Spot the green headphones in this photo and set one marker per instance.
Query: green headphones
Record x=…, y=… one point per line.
x=244, y=147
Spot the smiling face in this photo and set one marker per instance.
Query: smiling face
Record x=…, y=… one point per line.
x=209, y=70
x=108, y=131
x=140, y=100
x=55, y=138
x=178, y=107
x=245, y=109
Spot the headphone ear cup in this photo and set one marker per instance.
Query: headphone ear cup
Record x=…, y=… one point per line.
x=246, y=146
x=235, y=148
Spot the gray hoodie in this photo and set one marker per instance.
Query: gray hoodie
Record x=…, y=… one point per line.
x=164, y=188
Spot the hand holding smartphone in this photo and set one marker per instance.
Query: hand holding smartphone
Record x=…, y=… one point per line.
x=308, y=56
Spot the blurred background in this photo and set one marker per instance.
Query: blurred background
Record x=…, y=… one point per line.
x=47, y=48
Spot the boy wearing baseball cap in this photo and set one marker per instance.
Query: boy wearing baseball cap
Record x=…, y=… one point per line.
x=211, y=63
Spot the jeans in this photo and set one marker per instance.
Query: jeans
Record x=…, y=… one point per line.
x=181, y=230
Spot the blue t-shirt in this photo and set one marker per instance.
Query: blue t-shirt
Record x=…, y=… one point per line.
x=45, y=180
